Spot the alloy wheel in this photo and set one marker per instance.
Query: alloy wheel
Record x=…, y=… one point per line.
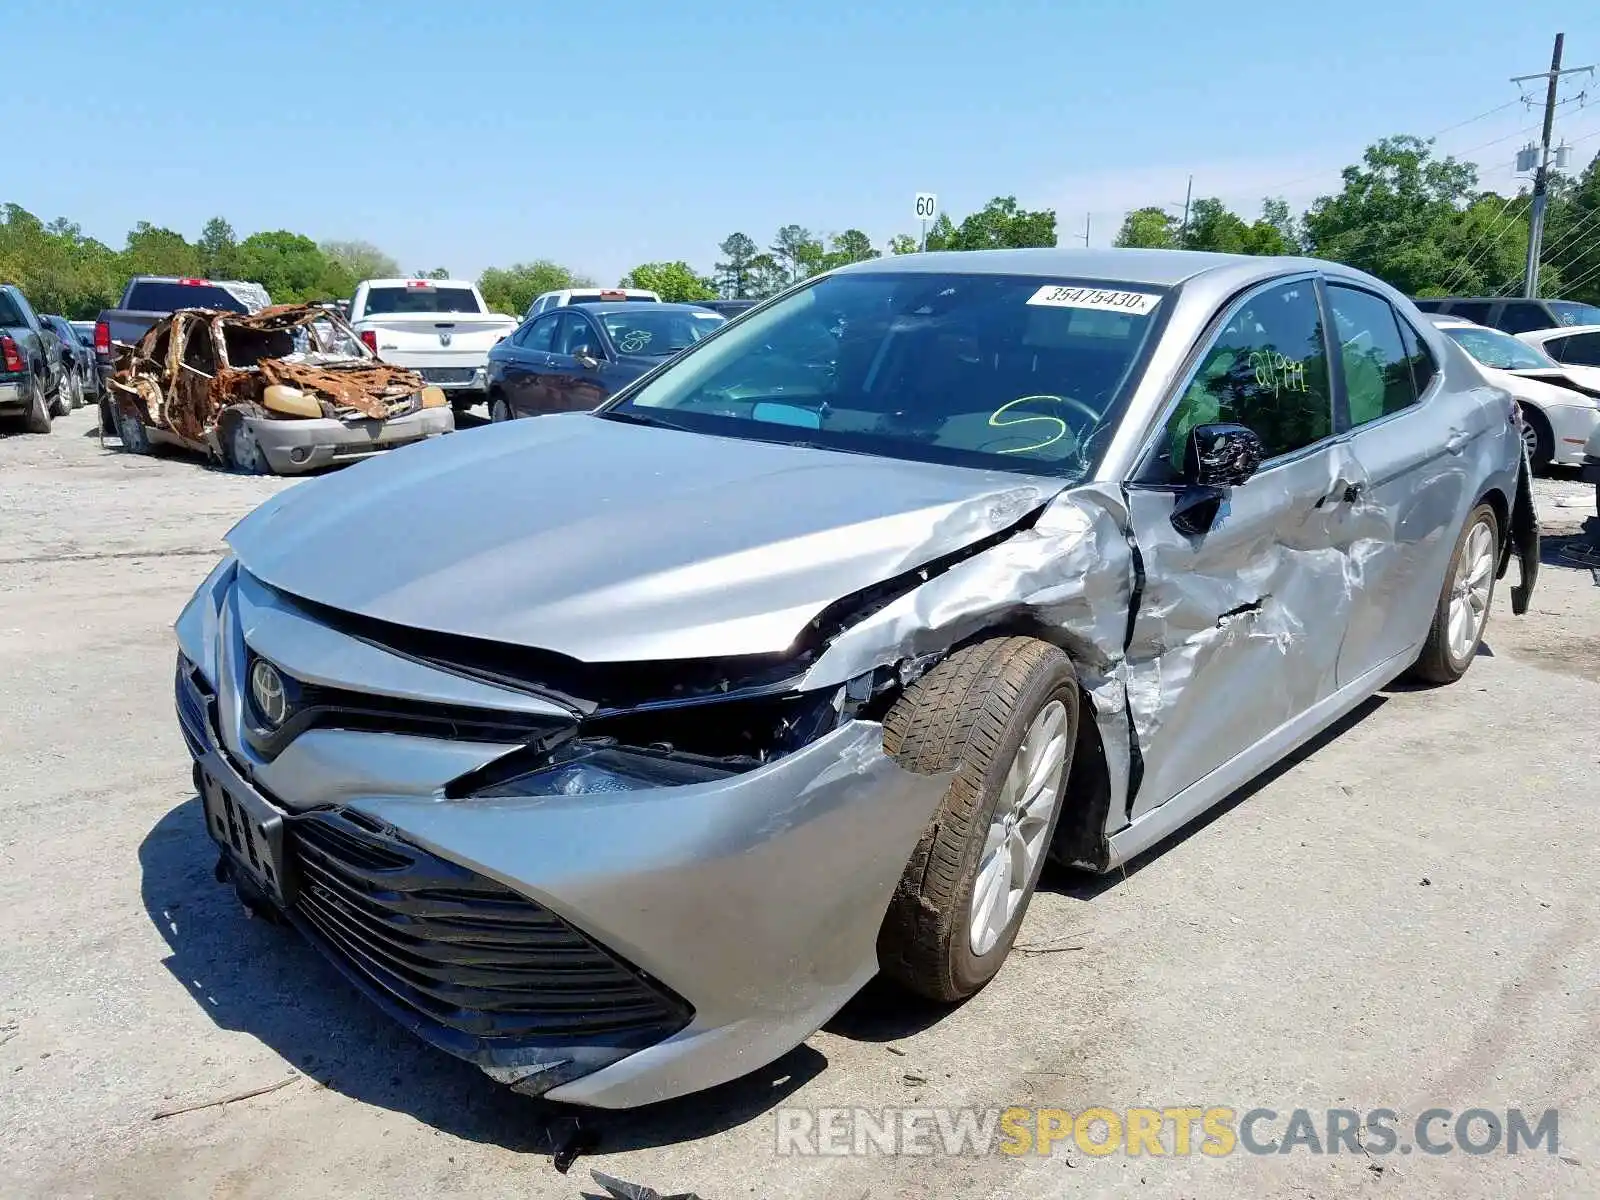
x=1019, y=826
x=1469, y=591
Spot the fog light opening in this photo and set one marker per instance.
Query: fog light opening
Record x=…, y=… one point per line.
x=299, y=454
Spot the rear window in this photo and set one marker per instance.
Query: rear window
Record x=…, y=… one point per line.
x=1495, y=349
x=414, y=299
x=10, y=314
x=609, y=298
x=1570, y=312
x=153, y=296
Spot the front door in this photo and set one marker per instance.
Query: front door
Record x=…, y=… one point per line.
x=528, y=367
x=1238, y=627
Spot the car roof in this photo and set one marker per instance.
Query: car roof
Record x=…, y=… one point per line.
x=1155, y=268
x=455, y=283
x=622, y=306
x=1544, y=335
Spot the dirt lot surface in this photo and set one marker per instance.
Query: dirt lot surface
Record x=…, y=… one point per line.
x=1404, y=916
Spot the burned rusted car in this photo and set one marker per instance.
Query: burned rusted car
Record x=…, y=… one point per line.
x=288, y=389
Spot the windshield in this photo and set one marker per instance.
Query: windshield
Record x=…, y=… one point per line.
x=655, y=330
x=1020, y=373
x=1495, y=349
x=418, y=298
x=1570, y=312
x=148, y=295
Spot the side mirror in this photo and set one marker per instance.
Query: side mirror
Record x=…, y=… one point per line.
x=1219, y=456
x=1214, y=457
x=587, y=360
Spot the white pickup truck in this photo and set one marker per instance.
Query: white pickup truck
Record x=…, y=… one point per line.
x=439, y=328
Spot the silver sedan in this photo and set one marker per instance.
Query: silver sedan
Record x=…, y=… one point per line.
x=651, y=734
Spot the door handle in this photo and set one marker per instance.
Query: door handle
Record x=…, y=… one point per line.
x=1457, y=441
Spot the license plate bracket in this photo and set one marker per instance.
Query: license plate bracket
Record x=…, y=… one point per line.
x=252, y=833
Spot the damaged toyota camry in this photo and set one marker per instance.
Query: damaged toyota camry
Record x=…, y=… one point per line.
x=649, y=735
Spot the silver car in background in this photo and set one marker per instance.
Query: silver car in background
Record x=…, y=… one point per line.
x=796, y=660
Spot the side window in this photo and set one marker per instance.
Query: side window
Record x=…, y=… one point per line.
x=576, y=335
x=1580, y=349
x=1522, y=316
x=1476, y=311
x=1423, y=366
x=1267, y=369
x=1377, y=369
x=537, y=335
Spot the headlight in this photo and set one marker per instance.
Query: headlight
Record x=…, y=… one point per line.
x=587, y=770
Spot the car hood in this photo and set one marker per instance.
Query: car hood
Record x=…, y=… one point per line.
x=612, y=542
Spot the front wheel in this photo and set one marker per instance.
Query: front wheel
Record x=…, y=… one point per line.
x=1462, y=613
x=1002, y=715
x=241, y=447
x=1538, y=438
x=499, y=410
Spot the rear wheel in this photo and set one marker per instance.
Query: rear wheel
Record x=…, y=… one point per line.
x=61, y=402
x=1537, y=437
x=499, y=410
x=1462, y=613
x=37, y=417
x=1003, y=716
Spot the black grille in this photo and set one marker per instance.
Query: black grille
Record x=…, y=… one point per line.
x=191, y=709
x=462, y=951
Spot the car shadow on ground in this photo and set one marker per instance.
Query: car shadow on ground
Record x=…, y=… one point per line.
x=254, y=977
x=1080, y=885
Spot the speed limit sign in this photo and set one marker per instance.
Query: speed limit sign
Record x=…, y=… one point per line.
x=927, y=206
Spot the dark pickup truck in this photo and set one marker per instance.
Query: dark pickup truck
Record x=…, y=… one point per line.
x=32, y=384
x=149, y=298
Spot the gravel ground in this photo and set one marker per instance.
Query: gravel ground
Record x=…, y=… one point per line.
x=1403, y=916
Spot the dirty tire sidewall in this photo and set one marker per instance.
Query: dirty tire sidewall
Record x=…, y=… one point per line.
x=61, y=402
x=37, y=417
x=1542, y=449
x=1436, y=664
x=969, y=715
x=131, y=432
x=243, y=451
x=499, y=410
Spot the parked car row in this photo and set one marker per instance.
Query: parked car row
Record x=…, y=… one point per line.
x=45, y=371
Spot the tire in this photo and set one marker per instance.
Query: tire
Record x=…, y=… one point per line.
x=1538, y=437
x=37, y=418
x=240, y=449
x=499, y=410
x=460, y=404
x=1468, y=592
x=61, y=402
x=76, y=398
x=971, y=714
x=131, y=432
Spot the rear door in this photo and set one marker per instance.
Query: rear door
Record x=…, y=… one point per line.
x=1238, y=629
x=1412, y=442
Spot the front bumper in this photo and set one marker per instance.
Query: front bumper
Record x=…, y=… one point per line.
x=731, y=918
x=293, y=446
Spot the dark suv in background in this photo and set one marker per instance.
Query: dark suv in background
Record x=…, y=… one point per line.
x=1512, y=314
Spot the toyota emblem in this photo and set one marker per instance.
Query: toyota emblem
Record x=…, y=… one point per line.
x=444, y=339
x=267, y=690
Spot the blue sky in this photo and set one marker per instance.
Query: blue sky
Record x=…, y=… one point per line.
x=603, y=135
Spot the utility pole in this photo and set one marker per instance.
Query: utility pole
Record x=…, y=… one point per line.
x=1541, y=178
x=1086, y=218
x=1183, y=233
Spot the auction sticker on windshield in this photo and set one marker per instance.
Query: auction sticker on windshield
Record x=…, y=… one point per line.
x=1136, y=303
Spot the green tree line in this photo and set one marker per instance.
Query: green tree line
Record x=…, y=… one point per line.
x=1408, y=216
x=1417, y=221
